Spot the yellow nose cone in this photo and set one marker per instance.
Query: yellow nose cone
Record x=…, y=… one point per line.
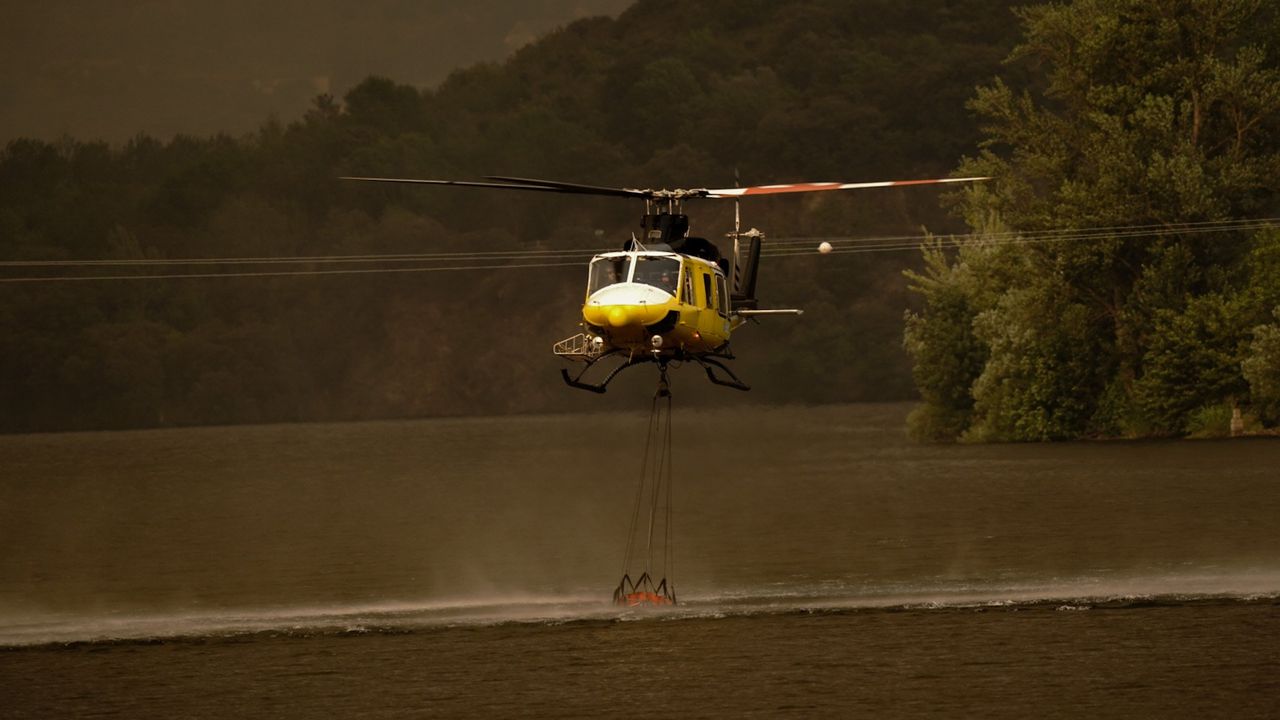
x=619, y=317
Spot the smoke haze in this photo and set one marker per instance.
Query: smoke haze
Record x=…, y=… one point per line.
x=113, y=70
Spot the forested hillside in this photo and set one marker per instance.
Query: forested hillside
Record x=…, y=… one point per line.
x=1114, y=289
x=667, y=94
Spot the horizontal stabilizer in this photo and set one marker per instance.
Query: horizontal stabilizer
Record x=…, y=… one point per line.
x=779, y=311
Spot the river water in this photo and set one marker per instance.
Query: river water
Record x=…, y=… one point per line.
x=826, y=567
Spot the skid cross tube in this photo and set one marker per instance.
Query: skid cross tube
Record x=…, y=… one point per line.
x=708, y=362
x=600, y=387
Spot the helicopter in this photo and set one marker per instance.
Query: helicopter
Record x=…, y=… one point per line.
x=669, y=297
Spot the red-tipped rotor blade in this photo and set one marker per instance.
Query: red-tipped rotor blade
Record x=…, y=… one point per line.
x=818, y=187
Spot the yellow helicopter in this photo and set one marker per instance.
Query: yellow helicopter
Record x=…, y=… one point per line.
x=668, y=297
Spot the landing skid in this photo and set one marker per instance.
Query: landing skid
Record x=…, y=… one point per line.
x=600, y=387
x=708, y=363
x=733, y=382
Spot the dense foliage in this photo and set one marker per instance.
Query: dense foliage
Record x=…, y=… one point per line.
x=669, y=93
x=1160, y=114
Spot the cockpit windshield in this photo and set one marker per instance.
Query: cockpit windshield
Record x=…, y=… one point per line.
x=660, y=272
x=606, y=271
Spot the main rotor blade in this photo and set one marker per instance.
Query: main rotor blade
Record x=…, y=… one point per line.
x=819, y=187
x=555, y=186
x=574, y=187
x=467, y=183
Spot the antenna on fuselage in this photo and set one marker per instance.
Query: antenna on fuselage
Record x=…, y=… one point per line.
x=737, y=202
x=734, y=270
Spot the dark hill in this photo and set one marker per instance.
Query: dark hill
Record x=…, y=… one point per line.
x=669, y=93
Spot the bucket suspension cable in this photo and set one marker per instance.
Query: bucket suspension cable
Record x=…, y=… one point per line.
x=654, y=493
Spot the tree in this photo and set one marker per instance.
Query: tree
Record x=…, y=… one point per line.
x=943, y=343
x=1261, y=368
x=1163, y=115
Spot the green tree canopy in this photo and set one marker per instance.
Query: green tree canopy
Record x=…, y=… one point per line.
x=1150, y=123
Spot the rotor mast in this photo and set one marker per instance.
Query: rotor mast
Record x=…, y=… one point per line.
x=664, y=220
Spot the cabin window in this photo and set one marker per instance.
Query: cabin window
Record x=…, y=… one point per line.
x=706, y=291
x=722, y=297
x=689, y=299
x=606, y=271
x=660, y=272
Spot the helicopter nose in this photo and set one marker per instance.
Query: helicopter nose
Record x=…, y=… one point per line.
x=619, y=316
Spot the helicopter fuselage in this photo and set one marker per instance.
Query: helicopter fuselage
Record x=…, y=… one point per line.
x=671, y=302
x=658, y=302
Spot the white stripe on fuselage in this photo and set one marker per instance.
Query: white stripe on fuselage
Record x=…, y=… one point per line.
x=629, y=294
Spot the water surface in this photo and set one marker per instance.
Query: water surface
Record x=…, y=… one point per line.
x=824, y=563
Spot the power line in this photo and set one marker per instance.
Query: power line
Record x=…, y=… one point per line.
x=527, y=259
x=900, y=243
x=309, y=259
x=281, y=273
x=1100, y=230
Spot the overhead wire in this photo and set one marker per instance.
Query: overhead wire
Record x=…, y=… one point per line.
x=283, y=273
x=1096, y=229
x=288, y=259
x=543, y=258
x=805, y=246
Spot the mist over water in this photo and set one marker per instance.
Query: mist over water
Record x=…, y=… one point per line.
x=314, y=534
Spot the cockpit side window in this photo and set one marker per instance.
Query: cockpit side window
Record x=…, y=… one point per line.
x=607, y=271
x=660, y=272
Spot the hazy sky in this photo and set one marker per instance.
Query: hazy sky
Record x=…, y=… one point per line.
x=113, y=68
